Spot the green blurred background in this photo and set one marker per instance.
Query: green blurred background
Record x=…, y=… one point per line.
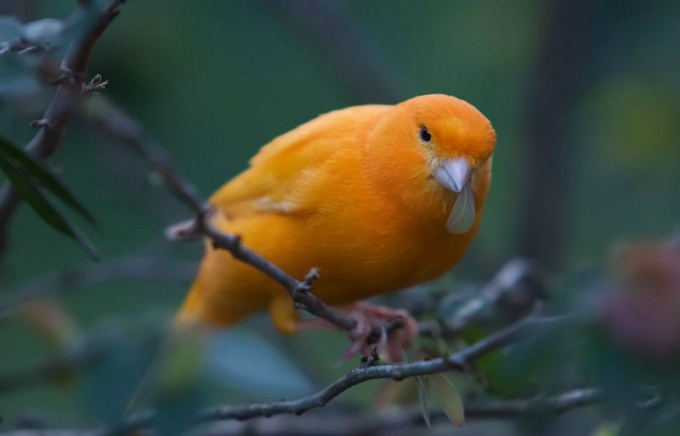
x=584, y=97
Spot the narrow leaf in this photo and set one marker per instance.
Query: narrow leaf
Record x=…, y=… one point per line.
x=422, y=396
x=448, y=396
x=44, y=175
x=34, y=197
x=42, y=206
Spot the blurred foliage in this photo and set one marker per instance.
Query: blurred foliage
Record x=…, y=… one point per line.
x=214, y=83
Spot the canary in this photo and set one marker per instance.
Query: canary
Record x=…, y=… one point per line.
x=377, y=197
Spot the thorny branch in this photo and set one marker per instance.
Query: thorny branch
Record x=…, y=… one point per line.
x=68, y=94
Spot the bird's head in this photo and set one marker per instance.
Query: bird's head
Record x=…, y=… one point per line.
x=434, y=152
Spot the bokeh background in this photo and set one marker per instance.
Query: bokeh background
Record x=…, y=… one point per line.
x=584, y=96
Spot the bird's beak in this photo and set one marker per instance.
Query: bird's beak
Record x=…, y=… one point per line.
x=454, y=174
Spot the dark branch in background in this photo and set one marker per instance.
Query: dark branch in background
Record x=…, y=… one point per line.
x=138, y=268
x=67, y=96
x=349, y=55
x=518, y=288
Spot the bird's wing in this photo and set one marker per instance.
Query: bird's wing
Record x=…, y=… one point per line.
x=276, y=174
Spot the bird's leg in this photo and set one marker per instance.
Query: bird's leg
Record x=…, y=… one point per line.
x=394, y=330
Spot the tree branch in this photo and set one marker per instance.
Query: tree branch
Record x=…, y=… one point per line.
x=120, y=125
x=95, y=349
x=66, y=97
x=458, y=360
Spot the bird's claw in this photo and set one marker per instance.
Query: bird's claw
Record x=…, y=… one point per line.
x=391, y=330
x=371, y=328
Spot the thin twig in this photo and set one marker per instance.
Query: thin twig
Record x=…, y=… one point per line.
x=66, y=97
x=122, y=126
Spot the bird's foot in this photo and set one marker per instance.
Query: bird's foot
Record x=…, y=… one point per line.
x=393, y=330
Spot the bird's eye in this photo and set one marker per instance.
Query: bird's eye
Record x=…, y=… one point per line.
x=424, y=134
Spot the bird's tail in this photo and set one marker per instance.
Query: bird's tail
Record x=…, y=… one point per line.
x=201, y=309
x=193, y=308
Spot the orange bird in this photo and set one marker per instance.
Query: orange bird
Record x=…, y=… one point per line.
x=377, y=197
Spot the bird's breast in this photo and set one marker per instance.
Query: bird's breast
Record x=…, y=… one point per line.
x=373, y=246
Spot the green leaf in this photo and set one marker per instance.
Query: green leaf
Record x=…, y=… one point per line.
x=44, y=175
x=422, y=396
x=448, y=396
x=41, y=205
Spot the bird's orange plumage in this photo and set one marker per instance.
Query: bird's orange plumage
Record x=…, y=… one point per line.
x=357, y=193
